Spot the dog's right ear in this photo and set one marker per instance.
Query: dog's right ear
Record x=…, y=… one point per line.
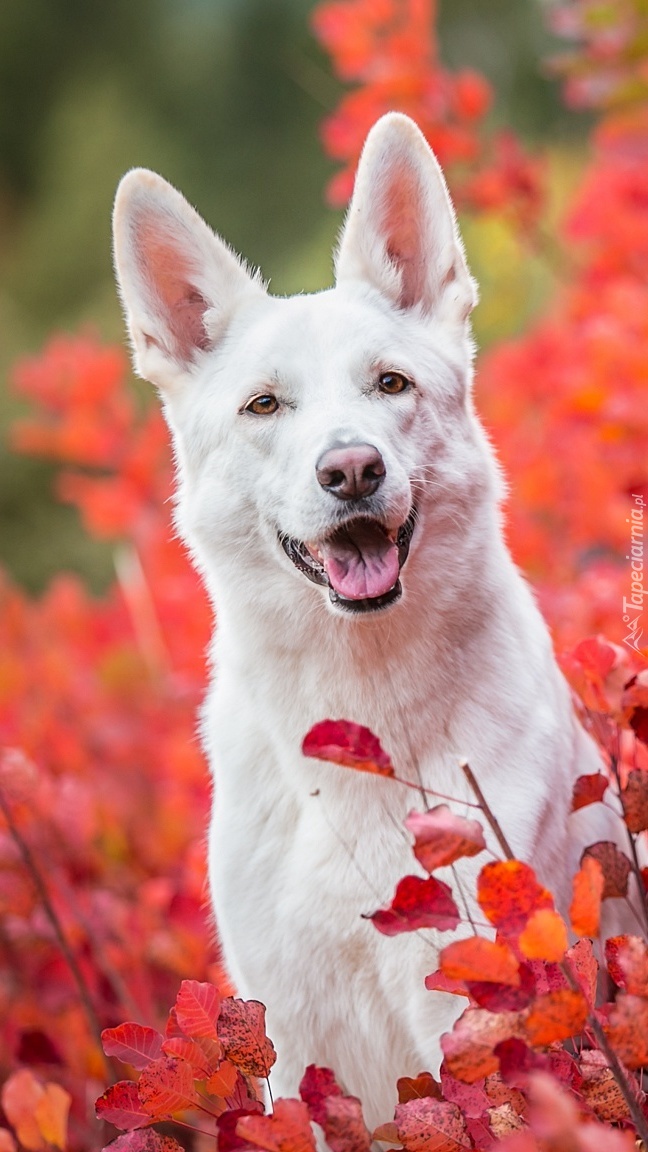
x=179, y=282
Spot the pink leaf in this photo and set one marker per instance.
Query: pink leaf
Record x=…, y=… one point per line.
x=440, y=837
x=145, y=1140
x=133, y=1044
x=342, y=742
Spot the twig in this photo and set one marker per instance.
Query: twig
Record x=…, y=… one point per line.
x=643, y=895
x=488, y=813
x=52, y=916
x=618, y=1072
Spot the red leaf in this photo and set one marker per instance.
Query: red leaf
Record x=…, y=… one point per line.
x=166, y=1086
x=440, y=837
x=469, y=1048
x=508, y=893
x=242, y=1098
x=634, y=799
x=228, y=1138
x=316, y=1085
x=589, y=790
x=482, y=960
x=615, y=864
x=516, y=1060
x=503, y=997
x=428, y=1125
x=415, y=1088
x=120, y=1105
x=241, y=1028
x=342, y=742
x=133, y=1044
x=286, y=1130
x=418, y=903
x=145, y=1141
x=344, y=1126
x=197, y=1008
x=627, y=960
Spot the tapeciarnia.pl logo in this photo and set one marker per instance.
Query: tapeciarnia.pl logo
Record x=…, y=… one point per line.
x=633, y=605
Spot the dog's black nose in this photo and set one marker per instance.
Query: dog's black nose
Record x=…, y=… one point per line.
x=351, y=471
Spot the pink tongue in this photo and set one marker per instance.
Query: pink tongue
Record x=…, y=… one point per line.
x=360, y=562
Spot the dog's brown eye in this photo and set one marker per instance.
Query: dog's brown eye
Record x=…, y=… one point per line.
x=262, y=405
x=393, y=382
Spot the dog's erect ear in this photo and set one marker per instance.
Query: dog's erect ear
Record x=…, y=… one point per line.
x=179, y=282
x=400, y=234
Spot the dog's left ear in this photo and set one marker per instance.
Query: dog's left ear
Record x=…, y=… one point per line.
x=400, y=234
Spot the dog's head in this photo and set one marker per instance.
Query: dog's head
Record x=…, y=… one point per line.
x=327, y=427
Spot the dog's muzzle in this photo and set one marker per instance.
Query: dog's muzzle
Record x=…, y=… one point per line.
x=358, y=556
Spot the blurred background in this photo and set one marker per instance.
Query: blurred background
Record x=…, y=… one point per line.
x=225, y=99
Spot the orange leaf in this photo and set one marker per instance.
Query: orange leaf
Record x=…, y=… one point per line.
x=478, y=959
x=223, y=1081
x=413, y=1088
x=508, y=892
x=288, y=1129
x=555, y=1016
x=440, y=837
x=19, y=1097
x=585, y=908
x=544, y=936
x=51, y=1115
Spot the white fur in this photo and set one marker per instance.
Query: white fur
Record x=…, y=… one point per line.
x=461, y=667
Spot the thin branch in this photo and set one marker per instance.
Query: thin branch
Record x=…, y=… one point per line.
x=488, y=812
x=52, y=915
x=464, y=899
x=638, y=1118
x=636, y=868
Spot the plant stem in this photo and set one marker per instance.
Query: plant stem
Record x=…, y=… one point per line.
x=643, y=895
x=488, y=812
x=638, y=1118
x=52, y=915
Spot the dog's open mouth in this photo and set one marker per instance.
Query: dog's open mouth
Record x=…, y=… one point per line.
x=360, y=562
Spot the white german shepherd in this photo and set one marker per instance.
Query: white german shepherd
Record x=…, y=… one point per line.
x=341, y=501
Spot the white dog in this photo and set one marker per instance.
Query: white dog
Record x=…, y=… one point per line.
x=340, y=499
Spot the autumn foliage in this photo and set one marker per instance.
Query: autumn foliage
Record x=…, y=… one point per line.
x=103, y=790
